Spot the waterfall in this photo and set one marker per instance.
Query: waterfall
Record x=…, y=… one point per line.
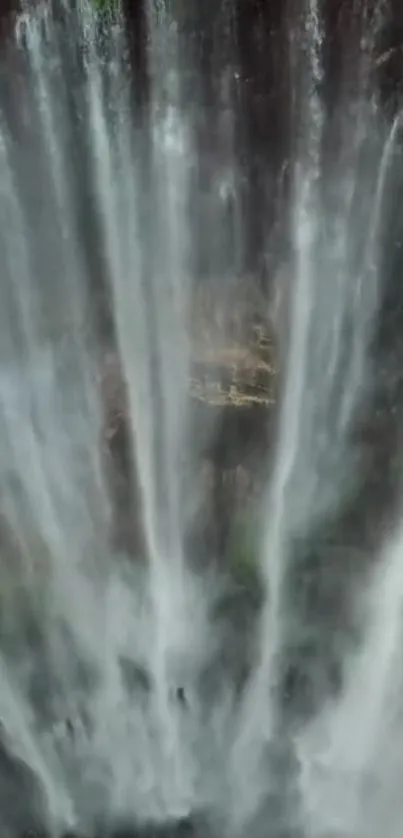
x=332, y=295
x=106, y=722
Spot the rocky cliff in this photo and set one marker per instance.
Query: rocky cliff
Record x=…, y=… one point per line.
x=232, y=390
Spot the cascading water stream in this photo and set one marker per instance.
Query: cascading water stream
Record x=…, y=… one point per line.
x=52, y=393
x=340, y=751
x=259, y=713
x=137, y=329
x=332, y=298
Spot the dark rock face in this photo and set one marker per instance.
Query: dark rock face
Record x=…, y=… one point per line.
x=20, y=800
x=230, y=432
x=184, y=828
x=263, y=94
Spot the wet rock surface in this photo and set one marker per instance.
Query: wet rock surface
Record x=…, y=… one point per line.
x=232, y=395
x=183, y=828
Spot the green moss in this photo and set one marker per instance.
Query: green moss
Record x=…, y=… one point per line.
x=244, y=548
x=105, y=7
